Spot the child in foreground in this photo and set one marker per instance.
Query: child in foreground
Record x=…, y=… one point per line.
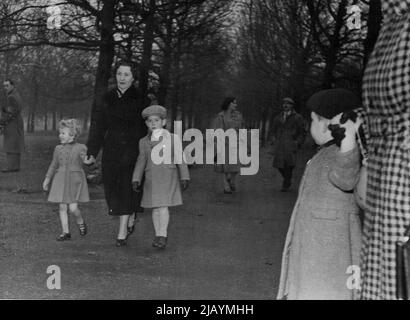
x=162, y=181
x=323, y=241
x=69, y=183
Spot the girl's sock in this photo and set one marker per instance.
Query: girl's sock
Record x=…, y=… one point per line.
x=78, y=216
x=64, y=221
x=155, y=221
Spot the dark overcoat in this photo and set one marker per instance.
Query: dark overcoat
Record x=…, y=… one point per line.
x=117, y=127
x=289, y=135
x=12, y=122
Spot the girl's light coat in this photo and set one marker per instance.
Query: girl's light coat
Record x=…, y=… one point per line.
x=324, y=235
x=66, y=170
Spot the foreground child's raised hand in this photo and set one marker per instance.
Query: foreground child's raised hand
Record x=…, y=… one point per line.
x=350, y=127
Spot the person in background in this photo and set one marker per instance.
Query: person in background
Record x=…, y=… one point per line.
x=288, y=134
x=12, y=127
x=228, y=118
x=116, y=127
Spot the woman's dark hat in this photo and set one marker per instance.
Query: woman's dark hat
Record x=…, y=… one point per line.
x=329, y=103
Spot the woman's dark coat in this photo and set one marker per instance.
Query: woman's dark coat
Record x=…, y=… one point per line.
x=117, y=127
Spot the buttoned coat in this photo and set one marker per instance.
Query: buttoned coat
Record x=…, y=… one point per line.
x=228, y=120
x=69, y=183
x=324, y=237
x=116, y=127
x=12, y=121
x=289, y=136
x=162, y=181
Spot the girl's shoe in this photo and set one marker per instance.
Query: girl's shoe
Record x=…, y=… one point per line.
x=162, y=242
x=83, y=229
x=155, y=242
x=64, y=236
x=121, y=242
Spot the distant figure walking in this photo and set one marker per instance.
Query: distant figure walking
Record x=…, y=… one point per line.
x=69, y=183
x=288, y=135
x=228, y=118
x=12, y=126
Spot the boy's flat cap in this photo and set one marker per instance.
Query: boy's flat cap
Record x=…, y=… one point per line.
x=154, y=110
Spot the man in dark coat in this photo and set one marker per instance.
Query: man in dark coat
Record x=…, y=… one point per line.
x=12, y=127
x=288, y=131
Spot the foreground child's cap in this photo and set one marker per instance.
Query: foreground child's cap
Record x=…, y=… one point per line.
x=156, y=110
x=331, y=102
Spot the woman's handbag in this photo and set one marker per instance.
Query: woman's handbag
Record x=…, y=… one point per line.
x=361, y=186
x=403, y=266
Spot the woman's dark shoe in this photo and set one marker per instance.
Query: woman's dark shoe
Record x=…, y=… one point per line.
x=232, y=185
x=83, y=229
x=121, y=242
x=227, y=191
x=64, y=236
x=130, y=229
x=155, y=242
x=162, y=242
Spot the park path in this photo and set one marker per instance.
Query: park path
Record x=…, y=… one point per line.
x=220, y=246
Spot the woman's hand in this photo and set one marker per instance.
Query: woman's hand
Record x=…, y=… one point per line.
x=46, y=182
x=351, y=128
x=89, y=160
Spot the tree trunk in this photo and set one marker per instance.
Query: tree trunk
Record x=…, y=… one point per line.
x=145, y=64
x=54, y=128
x=106, y=52
x=166, y=65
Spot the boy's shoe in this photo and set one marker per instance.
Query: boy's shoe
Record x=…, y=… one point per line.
x=155, y=242
x=121, y=242
x=162, y=242
x=83, y=229
x=64, y=236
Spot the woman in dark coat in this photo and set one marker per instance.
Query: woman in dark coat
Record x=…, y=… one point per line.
x=116, y=126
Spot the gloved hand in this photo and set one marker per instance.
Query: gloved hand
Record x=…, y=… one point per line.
x=136, y=186
x=184, y=184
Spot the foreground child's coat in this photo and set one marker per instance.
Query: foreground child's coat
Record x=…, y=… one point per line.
x=323, y=239
x=162, y=181
x=69, y=181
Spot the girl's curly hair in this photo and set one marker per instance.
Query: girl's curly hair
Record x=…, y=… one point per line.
x=73, y=124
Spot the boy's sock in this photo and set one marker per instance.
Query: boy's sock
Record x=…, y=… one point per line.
x=163, y=222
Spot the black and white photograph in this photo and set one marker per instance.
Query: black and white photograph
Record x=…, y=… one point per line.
x=216, y=152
